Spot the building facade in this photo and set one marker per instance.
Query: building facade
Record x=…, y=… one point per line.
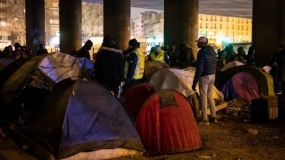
x=219, y=29
x=12, y=22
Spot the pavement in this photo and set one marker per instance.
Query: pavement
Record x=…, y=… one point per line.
x=227, y=140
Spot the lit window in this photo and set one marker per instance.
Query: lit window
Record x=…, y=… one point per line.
x=55, y=5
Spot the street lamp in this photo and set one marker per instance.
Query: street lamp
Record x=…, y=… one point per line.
x=2, y=24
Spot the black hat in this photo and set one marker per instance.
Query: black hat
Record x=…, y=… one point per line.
x=133, y=43
x=17, y=44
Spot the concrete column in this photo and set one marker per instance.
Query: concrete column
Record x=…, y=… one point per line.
x=35, y=22
x=268, y=29
x=282, y=21
x=181, y=23
x=117, y=21
x=70, y=25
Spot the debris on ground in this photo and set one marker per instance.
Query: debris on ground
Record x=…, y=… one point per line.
x=238, y=108
x=252, y=131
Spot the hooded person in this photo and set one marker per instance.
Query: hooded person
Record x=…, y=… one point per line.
x=84, y=51
x=205, y=75
x=17, y=52
x=109, y=68
x=134, y=64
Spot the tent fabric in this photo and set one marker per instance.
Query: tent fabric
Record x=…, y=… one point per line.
x=11, y=86
x=8, y=70
x=170, y=128
x=179, y=80
x=243, y=86
x=80, y=116
x=263, y=79
x=43, y=72
x=221, y=79
x=60, y=66
x=5, y=62
x=150, y=67
x=134, y=98
x=232, y=64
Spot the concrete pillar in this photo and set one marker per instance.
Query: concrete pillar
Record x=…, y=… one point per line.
x=35, y=23
x=117, y=21
x=181, y=23
x=282, y=21
x=268, y=29
x=70, y=25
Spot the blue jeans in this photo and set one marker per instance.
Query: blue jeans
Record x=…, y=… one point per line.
x=206, y=86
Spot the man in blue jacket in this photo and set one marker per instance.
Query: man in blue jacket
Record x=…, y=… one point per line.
x=205, y=74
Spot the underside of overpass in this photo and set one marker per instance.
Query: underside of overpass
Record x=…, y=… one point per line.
x=233, y=8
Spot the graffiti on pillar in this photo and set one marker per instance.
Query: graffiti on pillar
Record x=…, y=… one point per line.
x=34, y=33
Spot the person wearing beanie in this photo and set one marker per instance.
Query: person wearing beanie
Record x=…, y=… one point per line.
x=109, y=67
x=134, y=64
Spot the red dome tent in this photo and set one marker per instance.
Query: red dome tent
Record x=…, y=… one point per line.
x=166, y=124
x=134, y=97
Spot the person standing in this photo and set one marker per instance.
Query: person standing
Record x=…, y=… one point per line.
x=250, y=58
x=205, y=74
x=17, y=52
x=42, y=50
x=281, y=71
x=186, y=57
x=134, y=65
x=84, y=51
x=109, y=68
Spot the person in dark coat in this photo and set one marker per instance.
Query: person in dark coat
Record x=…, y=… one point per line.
x=109, y=68
x=274, y=70
x=281, y=71
x=230, y=53
x=84, y=51
x=186, y=57
x=250, y=58
x=17, y=52
x=240, y=56
x=42, y=50
x=205, y=74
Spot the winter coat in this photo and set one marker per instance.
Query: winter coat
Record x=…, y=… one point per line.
x=281, y=66
x=206, y=63
x=109, y=69
x=83, y=52
x=186, y=58
x=250, y=59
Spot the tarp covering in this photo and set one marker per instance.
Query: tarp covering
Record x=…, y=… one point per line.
x=166, y=124
x=60, y=66
x=11, y=86
x=80, y=117
x=152, y=66
x=263, y=79
x=135, y=97
x=43, y=72
x=231, y=64
x=4, y=62
x=179, y=80
x=243, y=86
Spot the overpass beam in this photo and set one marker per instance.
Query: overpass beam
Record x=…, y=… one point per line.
x=35, y=23
x=181, y=23
x=268, y=28
x=70, y=18
x=117, y=21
